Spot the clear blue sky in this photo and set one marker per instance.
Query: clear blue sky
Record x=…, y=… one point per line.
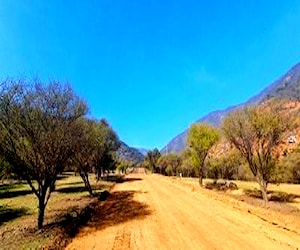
x=151, y=68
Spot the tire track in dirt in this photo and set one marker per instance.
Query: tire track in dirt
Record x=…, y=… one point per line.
x=180, y=218
x=122, y=239
x=226, y=225
x=200, y=226
x=232, y=214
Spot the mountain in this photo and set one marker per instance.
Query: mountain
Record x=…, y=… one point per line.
x=129, y=153
x=286, y=87
x=143, y=151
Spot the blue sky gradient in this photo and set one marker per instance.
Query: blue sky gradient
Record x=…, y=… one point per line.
x=151, y=68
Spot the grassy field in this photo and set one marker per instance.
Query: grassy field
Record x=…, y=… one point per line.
x=19, y=207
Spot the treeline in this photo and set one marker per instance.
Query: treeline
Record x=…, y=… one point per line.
x=228, y=167
x=252, y=134
x=44, y=131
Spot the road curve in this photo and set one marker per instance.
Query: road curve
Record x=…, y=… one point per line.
x=154, y=212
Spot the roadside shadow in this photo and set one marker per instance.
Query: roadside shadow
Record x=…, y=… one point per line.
x=68, y=190
x=63, y=176
x=4, y=187
x=277, y=196
x=8, y=213
x=128, y=179
x=120, y=207
x=13, y=185
x=119, y=178
x=14, y=193
x=111, y=178
x=80, y=189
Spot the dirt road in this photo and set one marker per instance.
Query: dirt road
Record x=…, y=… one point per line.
x=154, y=212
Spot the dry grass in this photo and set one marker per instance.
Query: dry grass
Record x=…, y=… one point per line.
x=18, y=211
x=284, y=197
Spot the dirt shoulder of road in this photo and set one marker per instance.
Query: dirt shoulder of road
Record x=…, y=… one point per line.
x=282, y=214
x=157, y=212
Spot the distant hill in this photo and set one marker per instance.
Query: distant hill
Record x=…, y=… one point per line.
x=143, y=151
x=129, y=153
x=286, y=87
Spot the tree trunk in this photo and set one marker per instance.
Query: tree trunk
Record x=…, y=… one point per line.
x=201, y=180
x=201, y=176
x=41, y=212
x=263, y=188
x=86, y=182
x=99, y=173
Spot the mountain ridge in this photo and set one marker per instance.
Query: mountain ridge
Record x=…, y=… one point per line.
x=287, y=86
x=128, y=153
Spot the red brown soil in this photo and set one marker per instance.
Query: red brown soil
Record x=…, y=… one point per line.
x=156, y=212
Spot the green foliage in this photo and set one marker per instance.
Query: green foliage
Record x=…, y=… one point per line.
x=124, y=166
x=186, y=167
x=201, y=138
x=106, y=143
x=38, y=132
x=151, y=160
x=95, y=149
x=6, y=169
x=255, y=133
x=212, y=166
x=289, y=168
x=169, y=164
x=225, y=167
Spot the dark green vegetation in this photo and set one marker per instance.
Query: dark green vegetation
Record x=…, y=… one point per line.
x=43, y=132
x=151, y=160
x=287, y=87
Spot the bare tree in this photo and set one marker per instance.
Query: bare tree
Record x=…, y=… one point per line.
x=38, y=132
x=255, y=132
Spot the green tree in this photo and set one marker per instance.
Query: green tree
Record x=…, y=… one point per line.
x=6, y=170
x=106, y=143
x=82, y=159
x=201, y=138
x=169, y=164
x=38, y=132
x=123, y=166
x=213, y=166
x=151, y=159
x=255, y=133
x=225, y=166
x=186, y=167
x=289, y=168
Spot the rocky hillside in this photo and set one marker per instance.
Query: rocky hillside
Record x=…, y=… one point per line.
x=129, y=153
x=143, y=151
x=286, y=87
